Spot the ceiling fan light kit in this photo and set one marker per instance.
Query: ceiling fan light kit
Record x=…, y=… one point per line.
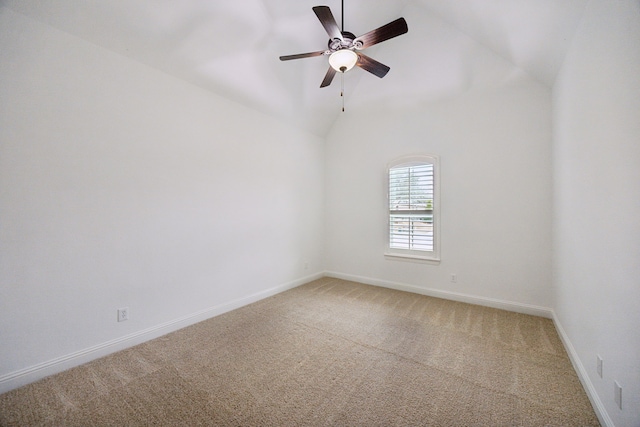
x=343, y=60
x=344, y=48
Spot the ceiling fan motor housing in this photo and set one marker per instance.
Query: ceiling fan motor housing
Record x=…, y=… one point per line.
x=345, y=43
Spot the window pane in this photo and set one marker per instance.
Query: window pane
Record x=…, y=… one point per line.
x=411, y=187
x=411, y=232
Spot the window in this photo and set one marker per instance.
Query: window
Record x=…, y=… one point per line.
x=413, y=208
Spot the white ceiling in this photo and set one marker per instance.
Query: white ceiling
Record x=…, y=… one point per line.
x=232, y=47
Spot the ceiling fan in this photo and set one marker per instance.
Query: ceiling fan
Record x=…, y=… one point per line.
x=345, y=48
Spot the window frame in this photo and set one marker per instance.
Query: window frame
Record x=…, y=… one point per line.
x=415, y=254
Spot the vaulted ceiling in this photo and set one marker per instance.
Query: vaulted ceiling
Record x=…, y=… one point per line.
x=232, y=47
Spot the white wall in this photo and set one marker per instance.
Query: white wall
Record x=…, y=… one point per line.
x=495, y=157
x=597, y=202
x=123, y=187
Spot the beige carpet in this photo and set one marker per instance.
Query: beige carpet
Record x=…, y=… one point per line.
x=327, y=353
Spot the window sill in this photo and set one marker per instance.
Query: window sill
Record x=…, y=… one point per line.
x=411, y=258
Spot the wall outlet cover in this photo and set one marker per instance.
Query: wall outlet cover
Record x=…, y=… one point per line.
x=123, y=314
x=617, y=393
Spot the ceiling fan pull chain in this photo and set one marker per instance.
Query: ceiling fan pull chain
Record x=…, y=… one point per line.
x=342, y=90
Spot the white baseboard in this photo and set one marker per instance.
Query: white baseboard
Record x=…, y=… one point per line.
x=33, y=373
x=517, y=307
x=578, y=366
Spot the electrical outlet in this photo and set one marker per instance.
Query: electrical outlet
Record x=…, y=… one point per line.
x=454, y=278
x=123, y=314
x=306, y=265
x=617, y=394
x=599, y=365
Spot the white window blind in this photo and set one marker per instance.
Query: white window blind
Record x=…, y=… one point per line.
x=411, y=207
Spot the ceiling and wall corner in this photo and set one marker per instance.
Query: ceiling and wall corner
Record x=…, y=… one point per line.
x=232, y=48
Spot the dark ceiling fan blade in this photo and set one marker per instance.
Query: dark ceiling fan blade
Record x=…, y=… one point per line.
x=372, y=66
x=301, y=55
x=386, y=32
x=328, y=21
x=328, y=78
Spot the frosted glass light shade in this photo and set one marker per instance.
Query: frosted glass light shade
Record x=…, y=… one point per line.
x=343, y=58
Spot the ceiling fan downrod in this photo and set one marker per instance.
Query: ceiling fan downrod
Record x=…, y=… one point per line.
x=343, y=68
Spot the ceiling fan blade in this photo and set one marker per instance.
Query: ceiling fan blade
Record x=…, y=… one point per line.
x=372, y=66
x=301, y=55
x=328, y=78
x=328, y=21
x=386, y=32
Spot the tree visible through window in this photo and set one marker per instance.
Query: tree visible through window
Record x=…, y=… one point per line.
x=412, y=203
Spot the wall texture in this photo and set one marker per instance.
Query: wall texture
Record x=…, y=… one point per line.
x=494, y=145
x=597, y=202
x=123, y=187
